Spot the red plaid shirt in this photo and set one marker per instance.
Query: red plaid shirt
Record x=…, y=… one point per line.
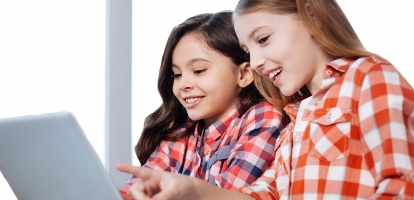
x=354, y=138
x=235, y=151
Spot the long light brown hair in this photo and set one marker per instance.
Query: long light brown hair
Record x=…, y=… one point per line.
x=325, y=21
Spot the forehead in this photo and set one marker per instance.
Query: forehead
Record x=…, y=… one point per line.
x=190, y=45
x=192, y=49
x=250, y=25
x=246, y=24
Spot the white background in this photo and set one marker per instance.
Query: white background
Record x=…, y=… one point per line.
x=52, y=54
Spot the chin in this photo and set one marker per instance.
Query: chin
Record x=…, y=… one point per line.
x=194, y=118
x=287, y=93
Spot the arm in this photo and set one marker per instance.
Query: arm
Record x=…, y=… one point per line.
x=254, y=150
x=159, y=159
x=386, y=118
x=165, y=185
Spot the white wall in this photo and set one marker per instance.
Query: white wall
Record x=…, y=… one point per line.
x=386, y=28
x=52, y=58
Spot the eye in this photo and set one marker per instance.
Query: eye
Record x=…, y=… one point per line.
x=263, y=40
x=175, y=76
x=199, y=71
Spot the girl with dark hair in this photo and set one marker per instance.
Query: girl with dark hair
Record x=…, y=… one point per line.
x=214, y=123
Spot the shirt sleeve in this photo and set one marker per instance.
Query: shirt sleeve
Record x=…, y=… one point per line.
x=160, y=158
x=263, y=188
x=254, y=150
x=169, y=154
x=386, y=119
x=124, y=191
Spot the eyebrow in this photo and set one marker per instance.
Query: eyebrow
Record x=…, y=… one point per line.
x=191, y=62
x=251, y=35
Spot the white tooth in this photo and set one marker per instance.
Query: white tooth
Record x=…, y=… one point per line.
x=191, y=100
x=274, y=73
x=271, y=75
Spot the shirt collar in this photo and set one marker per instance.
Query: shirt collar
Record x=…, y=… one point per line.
x=337, y=67
x=219, y=127
x=332, y=70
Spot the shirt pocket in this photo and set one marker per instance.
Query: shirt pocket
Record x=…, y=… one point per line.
x=330, y=133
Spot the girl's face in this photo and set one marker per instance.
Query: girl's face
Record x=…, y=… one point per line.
x=205, y=82
x=282, y=50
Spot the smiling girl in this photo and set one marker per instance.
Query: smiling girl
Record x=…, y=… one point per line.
x=213, y=124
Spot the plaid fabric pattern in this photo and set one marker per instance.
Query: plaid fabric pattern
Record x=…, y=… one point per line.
x=353, y=139
x=235, y=151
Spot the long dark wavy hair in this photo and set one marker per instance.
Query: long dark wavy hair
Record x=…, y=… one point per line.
x=218, y=33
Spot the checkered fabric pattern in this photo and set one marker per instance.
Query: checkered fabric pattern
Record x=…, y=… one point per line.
x=354, y=138
x=235, y=153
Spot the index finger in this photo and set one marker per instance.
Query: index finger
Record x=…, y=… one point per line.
x=138, y=172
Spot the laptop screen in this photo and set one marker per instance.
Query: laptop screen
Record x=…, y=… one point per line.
x=48, y=156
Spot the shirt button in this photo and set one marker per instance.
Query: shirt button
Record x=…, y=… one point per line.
x=328, y=117
x=208, y=152
x=297, y=138
x=328, y=72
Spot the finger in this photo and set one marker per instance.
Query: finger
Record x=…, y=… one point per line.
x=124, y=167
x=138, y=172
x=137, y=191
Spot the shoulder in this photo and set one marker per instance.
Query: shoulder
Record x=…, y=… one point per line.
x=375, y=63
x=263, y=107
x=263, y=111
x=263, y=118
x=375, y=67
x=182, y=128
x=365, y=65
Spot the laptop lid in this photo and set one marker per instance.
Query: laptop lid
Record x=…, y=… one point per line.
x=48, y=156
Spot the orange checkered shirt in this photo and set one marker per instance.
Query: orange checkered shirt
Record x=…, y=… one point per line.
x=354, y=138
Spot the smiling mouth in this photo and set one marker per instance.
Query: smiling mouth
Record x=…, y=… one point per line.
x=274, y=74
x=192, y=100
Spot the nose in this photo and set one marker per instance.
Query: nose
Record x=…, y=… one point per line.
x=185, y=83
x=256, y=60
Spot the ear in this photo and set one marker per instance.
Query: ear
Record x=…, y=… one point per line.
x=245, y=73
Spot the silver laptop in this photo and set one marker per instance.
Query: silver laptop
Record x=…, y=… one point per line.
x=48, y=156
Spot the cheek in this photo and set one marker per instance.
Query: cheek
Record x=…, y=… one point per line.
x=175, y=89
x=280, y=50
